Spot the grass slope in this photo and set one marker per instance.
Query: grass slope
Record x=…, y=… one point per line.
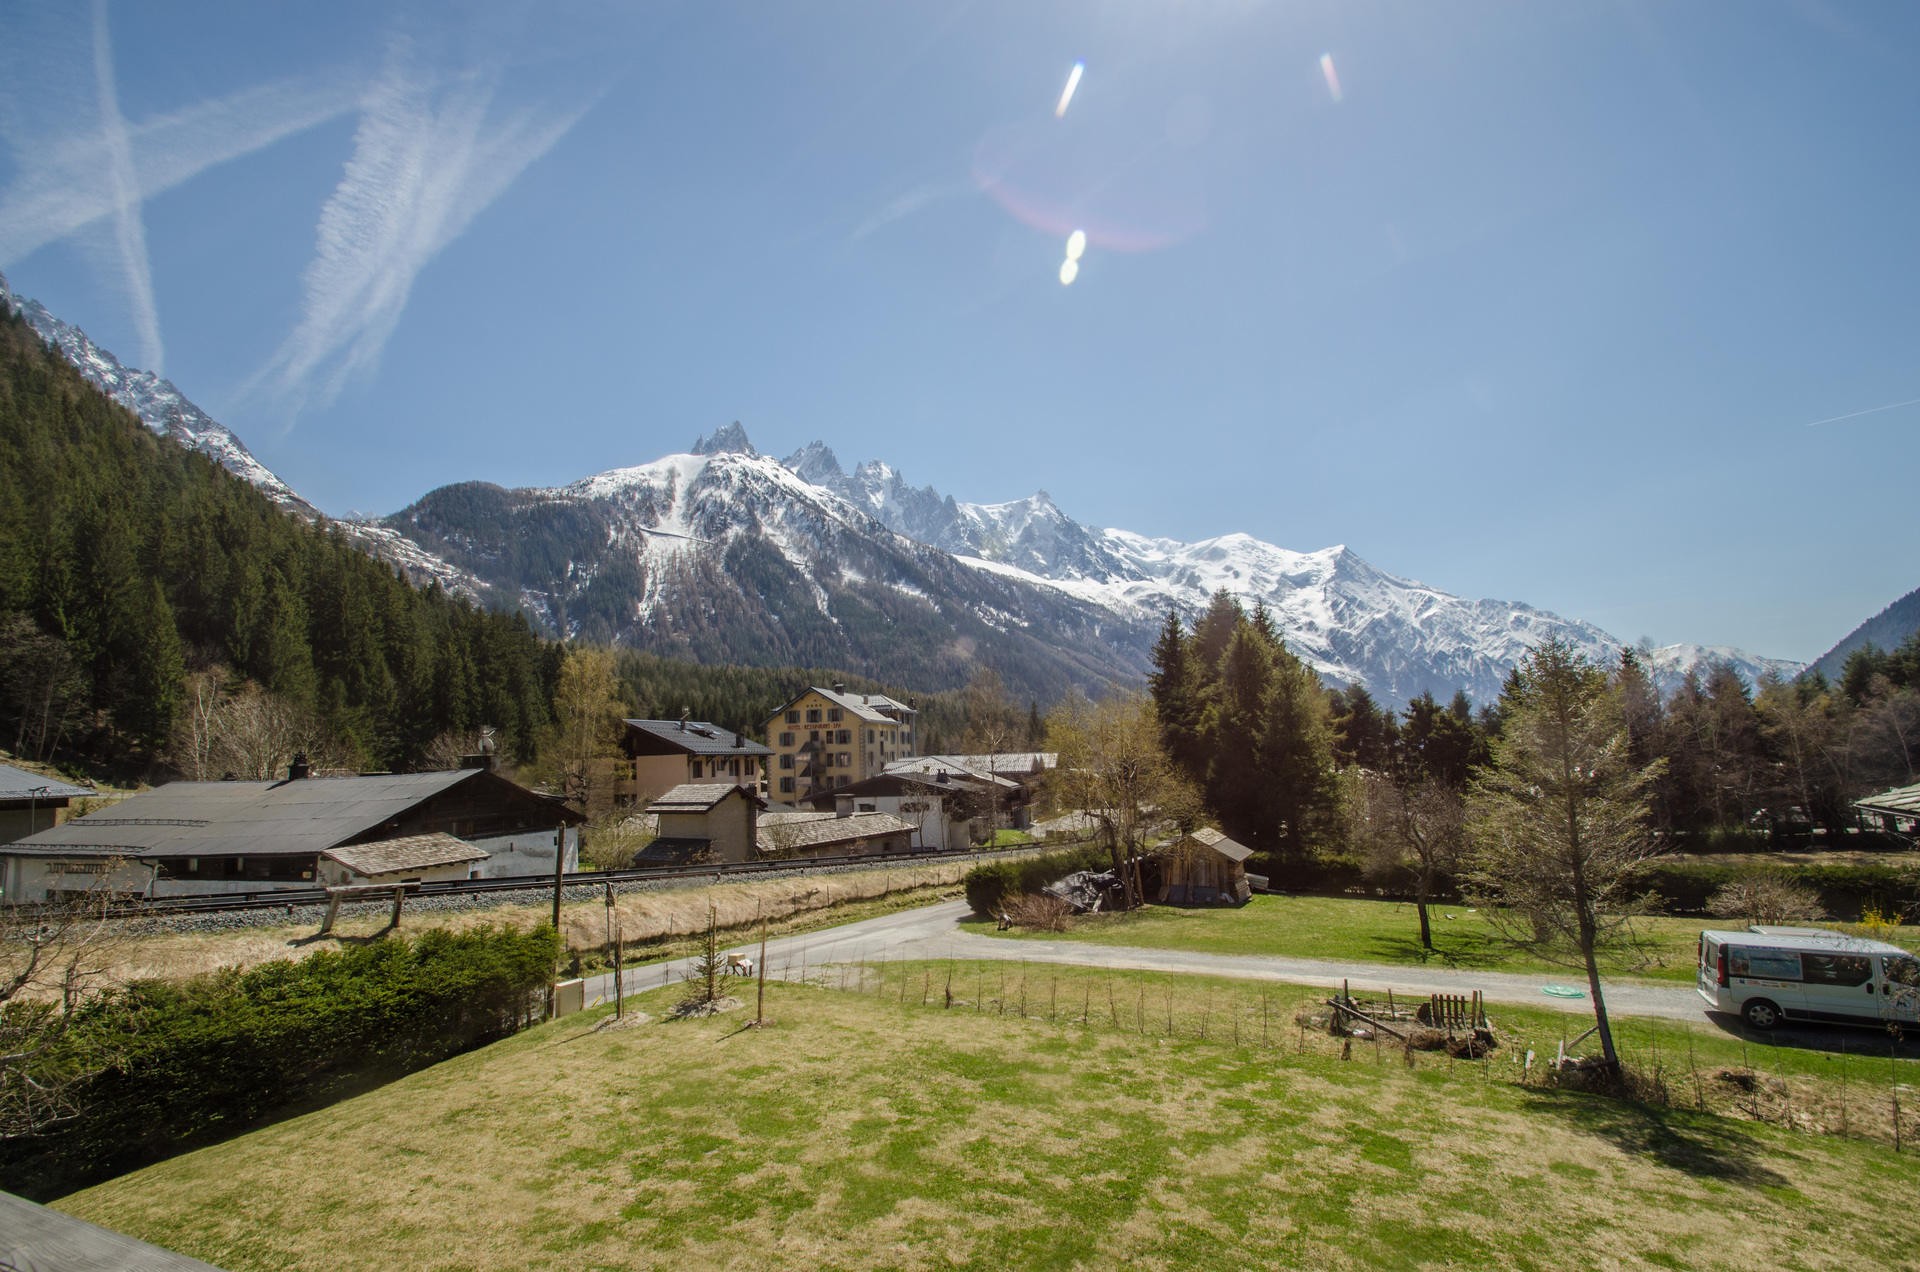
x=878, y=1129
x=1388, y=932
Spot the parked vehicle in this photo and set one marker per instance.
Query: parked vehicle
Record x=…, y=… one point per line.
x=1770, y=975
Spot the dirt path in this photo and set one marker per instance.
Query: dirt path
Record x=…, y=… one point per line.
x=933, y=932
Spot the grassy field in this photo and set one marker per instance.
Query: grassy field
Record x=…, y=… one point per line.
x=658, y=923
x=1057, y=1118
x=1353, y=930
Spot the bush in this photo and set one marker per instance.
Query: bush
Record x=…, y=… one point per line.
x=201, y=1059
x=1766, y=896
x=1037, y=911
x=1843, y=889
x=989, y=884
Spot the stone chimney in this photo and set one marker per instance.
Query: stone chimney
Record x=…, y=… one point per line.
x=299, y=769
x=684, y=713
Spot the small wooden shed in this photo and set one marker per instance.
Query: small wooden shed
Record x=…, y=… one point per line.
x=1205, y=868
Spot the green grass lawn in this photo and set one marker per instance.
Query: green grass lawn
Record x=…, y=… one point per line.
x=1354, y=930
x=1058, y=1117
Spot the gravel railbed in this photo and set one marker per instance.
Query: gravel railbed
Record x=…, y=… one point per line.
x=531, y=895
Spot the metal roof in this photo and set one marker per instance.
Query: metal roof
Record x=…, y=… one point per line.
x=1901, y=801
x=931, y=766
x=699, y=737
x=870, y=707
x=22, y=785
x=216, y=819
x=1025, y=763
x=409, y=852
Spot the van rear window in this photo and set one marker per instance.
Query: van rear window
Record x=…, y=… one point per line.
x=1765, y=964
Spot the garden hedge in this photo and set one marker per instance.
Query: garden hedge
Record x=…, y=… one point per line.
x=202, y=1059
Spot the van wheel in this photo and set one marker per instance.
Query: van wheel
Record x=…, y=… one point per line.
x=1760, y=1013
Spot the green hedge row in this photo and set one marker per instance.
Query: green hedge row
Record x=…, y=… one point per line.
x=1844, y=889
x=202, y=1059
x=988, y=884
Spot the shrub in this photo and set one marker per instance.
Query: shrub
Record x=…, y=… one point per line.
x=205, y=1058
x=1688, y=887
x=988, y=884
x=1766, y=896
x=1037, y=911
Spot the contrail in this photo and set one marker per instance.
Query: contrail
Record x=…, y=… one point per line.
x=1872, y=410
x=130, y=232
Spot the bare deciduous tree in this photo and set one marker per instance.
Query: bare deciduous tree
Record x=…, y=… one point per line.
x=1113, y=768
x=53, y=964
x=1559, y=820
x=1413, y=828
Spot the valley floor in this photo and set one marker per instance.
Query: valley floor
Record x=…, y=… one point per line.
x=921, y=1114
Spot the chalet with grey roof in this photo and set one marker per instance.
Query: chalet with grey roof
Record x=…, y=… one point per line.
x=661, y=754
x=196, y=838
x=828, y=738
x=702, y=822
x=944, y=805
x=33, y=802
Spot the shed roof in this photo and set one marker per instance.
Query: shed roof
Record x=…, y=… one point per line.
x=1901, y=801
x=24, y=786
x=787, y=832
x=280, y=818
x=698, y=797
x=697, y=737
x=1209, y=837
x=409, y=852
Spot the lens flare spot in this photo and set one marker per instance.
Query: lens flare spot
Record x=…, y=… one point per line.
x=1069, y=270
x=1066, y=94
x=1330, y=75
x=1076, y=245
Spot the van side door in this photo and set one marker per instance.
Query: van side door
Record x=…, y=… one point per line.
x=1839, y=986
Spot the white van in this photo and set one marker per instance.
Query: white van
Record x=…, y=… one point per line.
x=1770, y=975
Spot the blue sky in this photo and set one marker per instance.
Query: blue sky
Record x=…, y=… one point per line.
x=1543, y=304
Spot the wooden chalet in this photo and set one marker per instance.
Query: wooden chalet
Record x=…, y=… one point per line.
x=1204, y=868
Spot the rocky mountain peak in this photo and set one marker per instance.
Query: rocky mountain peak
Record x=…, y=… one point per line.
x=731, y=440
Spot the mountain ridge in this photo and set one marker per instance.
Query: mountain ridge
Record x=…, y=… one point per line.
x=721, y=552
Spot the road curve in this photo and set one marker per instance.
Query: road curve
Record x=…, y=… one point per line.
x=934, y=932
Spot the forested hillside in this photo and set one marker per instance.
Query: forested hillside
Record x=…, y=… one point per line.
x=136, y=576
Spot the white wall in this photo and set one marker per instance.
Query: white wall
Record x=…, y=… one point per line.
x=530, y=852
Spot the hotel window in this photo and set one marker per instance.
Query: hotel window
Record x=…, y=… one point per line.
x=786, y=786
x=833, y=713
x=813, y=715
x=786, y=739
x=786, y=761
x=793, y=717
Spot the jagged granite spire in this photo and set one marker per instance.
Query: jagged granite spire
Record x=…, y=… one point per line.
x=731, y=440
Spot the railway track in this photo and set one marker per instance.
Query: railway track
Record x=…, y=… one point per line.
x=287, y=897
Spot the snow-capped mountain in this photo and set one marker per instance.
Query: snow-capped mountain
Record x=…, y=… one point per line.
x=726, y=555
x=170, y=413
x=1351, y=621
x=161, y=406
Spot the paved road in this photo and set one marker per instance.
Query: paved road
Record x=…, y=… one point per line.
x=933, y=932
